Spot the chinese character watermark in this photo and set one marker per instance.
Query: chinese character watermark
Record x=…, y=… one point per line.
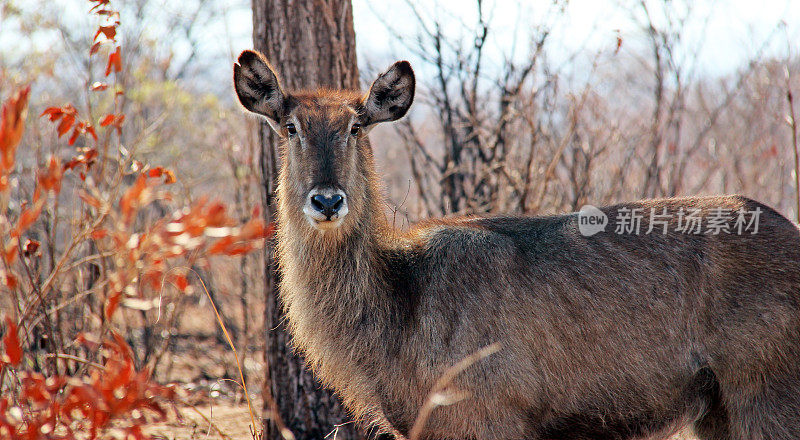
x=661, y=219
x=629, y=221
x=714, y=221
x=689, y=222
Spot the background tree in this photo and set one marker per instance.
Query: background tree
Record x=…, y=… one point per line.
x=310, y=44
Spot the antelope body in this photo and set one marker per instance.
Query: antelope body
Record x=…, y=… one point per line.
x=609, y=336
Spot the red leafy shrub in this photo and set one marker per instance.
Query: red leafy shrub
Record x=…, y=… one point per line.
x=111, y=400
x=100, y=233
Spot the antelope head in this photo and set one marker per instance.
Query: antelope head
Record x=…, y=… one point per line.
x=326, y=156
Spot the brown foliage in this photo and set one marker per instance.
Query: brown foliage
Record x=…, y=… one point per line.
x=111, y=400
x=95, y=239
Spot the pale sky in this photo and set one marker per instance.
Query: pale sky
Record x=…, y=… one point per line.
x=735, y=28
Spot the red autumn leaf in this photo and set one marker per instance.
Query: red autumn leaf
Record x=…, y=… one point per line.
x=220, y=246
x=10, y=281
x=66, y=123
x=82, y=128
x=115, y=120
x=27, y=217
x=131, y=198
x=99, y=4
x=50, y=178
x=98, y=234
x=254, y=229
x=75, y=133
x=155, y=172
x=181, y=282
x=89, y=199
x=68, y=115
x=90, y=155
x=107, y=120
x=114, y=61
x=120, y=347
x=34, y=388
x=239, y=249
x=95, y=47
x=112, y=305
x=118, y=123
x=152, y=278
x=169, y=177
x=30, y=248
x=52, y=113
x=74, y=162
x=10, y=250
x=121, y=378
x=90, y=130
x=108, y=31
x=12, y=124
x=135, y=433
x=216, y=215
x=11, y=342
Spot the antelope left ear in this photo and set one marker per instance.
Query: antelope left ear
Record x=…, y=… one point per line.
x=257, y=86
x=391, y=94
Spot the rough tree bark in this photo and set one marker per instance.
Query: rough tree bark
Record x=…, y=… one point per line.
x=311, y=43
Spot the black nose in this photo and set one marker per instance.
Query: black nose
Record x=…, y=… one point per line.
x=328, y=206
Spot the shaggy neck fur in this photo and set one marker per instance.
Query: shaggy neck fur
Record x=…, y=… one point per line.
x=332, y=286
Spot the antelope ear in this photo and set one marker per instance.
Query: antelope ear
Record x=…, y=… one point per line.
x=257, y=86
x=391, y=94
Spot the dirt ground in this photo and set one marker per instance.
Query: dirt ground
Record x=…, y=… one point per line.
x=233, y=421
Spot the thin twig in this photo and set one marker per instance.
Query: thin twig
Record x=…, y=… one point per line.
x=285, y=432
x=76, y=359
x=793, y=125
x=207, y=420
x=439, y=396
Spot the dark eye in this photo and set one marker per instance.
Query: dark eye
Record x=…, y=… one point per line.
x=354, y=129
x=291, y=129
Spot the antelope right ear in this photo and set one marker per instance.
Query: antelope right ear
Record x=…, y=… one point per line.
x=257, y=86
x=391, y=94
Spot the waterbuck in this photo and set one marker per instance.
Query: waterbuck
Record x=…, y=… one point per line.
x=604, y=334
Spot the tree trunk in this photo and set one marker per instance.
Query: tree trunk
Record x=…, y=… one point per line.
x=310, y=44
